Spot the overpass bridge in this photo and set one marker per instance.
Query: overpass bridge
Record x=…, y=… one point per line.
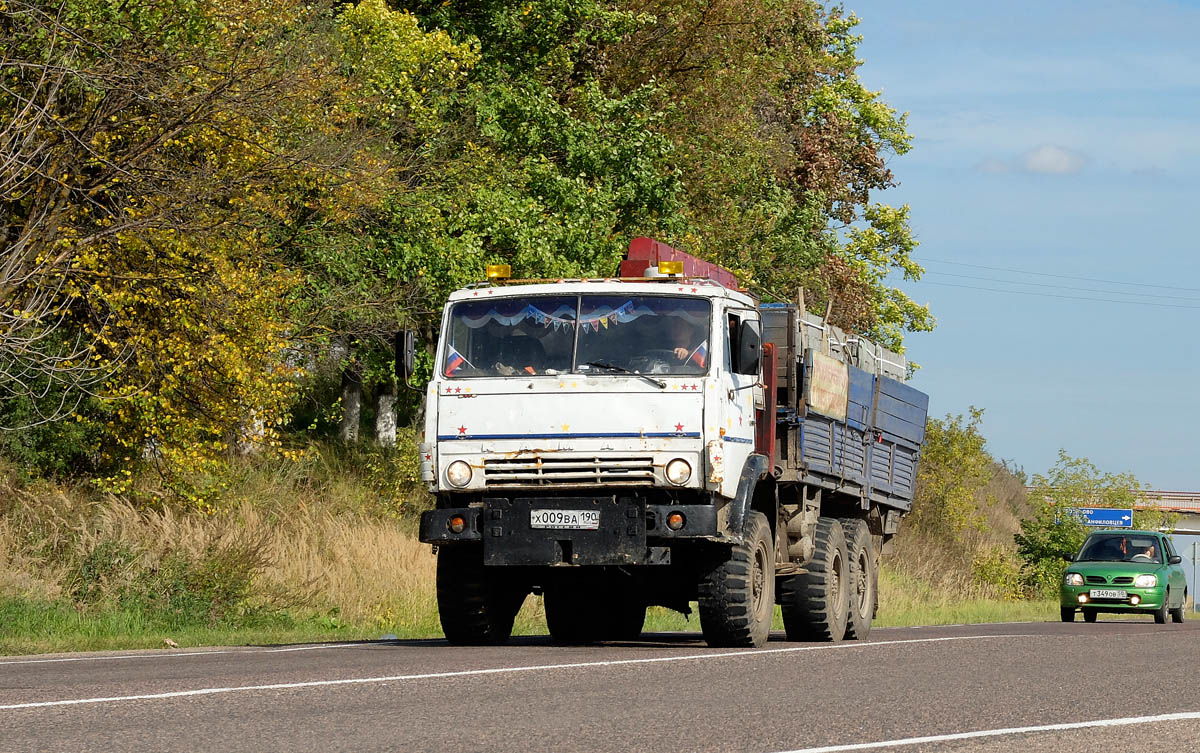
x=1184, y=504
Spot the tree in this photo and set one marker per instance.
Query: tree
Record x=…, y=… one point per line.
x=781, y=147
x=954, y=468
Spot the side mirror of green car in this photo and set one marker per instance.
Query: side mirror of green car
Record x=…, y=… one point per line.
x=1175, y=560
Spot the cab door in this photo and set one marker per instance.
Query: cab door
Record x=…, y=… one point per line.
x=739, y=394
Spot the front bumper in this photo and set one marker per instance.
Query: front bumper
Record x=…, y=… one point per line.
x=630, y=532
x=1149, y=599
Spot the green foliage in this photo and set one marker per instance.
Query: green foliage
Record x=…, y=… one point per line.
x=954, y=469
x=1000, y=570
x=239, y=188
x=48, y=448
x=1053, y=533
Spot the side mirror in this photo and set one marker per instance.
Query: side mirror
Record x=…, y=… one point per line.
x=406, y=353
x=1068, y=558
x=1175, y=560
x=749, y=349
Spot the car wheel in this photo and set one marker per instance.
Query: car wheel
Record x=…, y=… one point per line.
x=1177, y=613
x=1067, y=614
x=1089, y=615
x=1160, y=614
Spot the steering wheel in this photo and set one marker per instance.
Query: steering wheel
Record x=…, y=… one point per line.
x=1140, y=556
x=654, y=361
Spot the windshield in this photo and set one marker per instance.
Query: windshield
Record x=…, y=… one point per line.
x=1121, y=548
x=591, y=333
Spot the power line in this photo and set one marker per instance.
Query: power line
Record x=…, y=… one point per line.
x=1065, y=287
x=1051, y=274
x=1060, y=297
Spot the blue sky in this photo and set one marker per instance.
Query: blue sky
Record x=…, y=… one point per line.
x=1058, y=138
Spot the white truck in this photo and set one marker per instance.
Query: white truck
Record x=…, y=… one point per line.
x=618, y=443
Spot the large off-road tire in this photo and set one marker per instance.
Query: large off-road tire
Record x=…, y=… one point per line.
x=625, y=621
x=864, y=579
x=585, y=613
x=1066, y=614
x=815, y=603
x=1177, y=613
x=475, y=605
x=737, y=592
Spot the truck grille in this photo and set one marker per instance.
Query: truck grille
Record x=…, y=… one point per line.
x=625, y=470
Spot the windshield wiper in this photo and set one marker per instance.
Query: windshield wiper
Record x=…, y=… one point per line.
x=621, y=370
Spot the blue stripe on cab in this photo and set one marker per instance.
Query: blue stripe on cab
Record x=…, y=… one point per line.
x=581, y=435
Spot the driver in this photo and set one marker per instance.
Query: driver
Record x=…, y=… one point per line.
x=1147, y=553
x=682, y=338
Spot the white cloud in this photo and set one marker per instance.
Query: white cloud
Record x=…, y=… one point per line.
x=993, y=166
x=1053, y=160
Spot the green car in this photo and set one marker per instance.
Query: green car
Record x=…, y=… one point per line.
x=1123, y=571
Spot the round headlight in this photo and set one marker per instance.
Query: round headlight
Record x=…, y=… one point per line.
x=1074, y=579
x=458, y=473
x=679, y=471
x=1145, y=581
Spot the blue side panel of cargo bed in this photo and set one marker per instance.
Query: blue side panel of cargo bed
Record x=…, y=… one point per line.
x=877, y=447
x=901, y=412
x=862, y=395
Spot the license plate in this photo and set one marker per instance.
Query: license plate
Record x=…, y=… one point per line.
x=1107, y=593
x=578, y=520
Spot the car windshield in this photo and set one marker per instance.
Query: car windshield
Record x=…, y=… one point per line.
x=1121, y=548
x=600, y=334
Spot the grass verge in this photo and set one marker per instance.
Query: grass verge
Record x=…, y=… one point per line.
x=48, y=627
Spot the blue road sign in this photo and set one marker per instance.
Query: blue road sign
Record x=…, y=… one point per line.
x=1104, y=517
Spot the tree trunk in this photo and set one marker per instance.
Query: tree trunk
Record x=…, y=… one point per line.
x=385, y=419
x=351, y=405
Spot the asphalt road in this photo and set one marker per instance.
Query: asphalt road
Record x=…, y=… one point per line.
x=1012, y=687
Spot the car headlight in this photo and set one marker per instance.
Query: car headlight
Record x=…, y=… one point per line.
x=1074, y=579
x=679, y=471
x=458, y=473
x=1145, y=581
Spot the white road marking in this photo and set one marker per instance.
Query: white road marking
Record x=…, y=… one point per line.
x=165, y=654
x=1003, y=731
x=496, y=671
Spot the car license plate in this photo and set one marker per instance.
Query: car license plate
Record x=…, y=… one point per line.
x=1107, y=593
x=578, y=520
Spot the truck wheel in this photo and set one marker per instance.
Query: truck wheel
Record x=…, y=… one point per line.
x=1177, y=613
x=625, y=620
x=864, y=579
x=737, y=593
x=815, y=603
x=474, y=607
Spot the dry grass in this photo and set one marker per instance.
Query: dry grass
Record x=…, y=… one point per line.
x=323, y=544
x=978, y=562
